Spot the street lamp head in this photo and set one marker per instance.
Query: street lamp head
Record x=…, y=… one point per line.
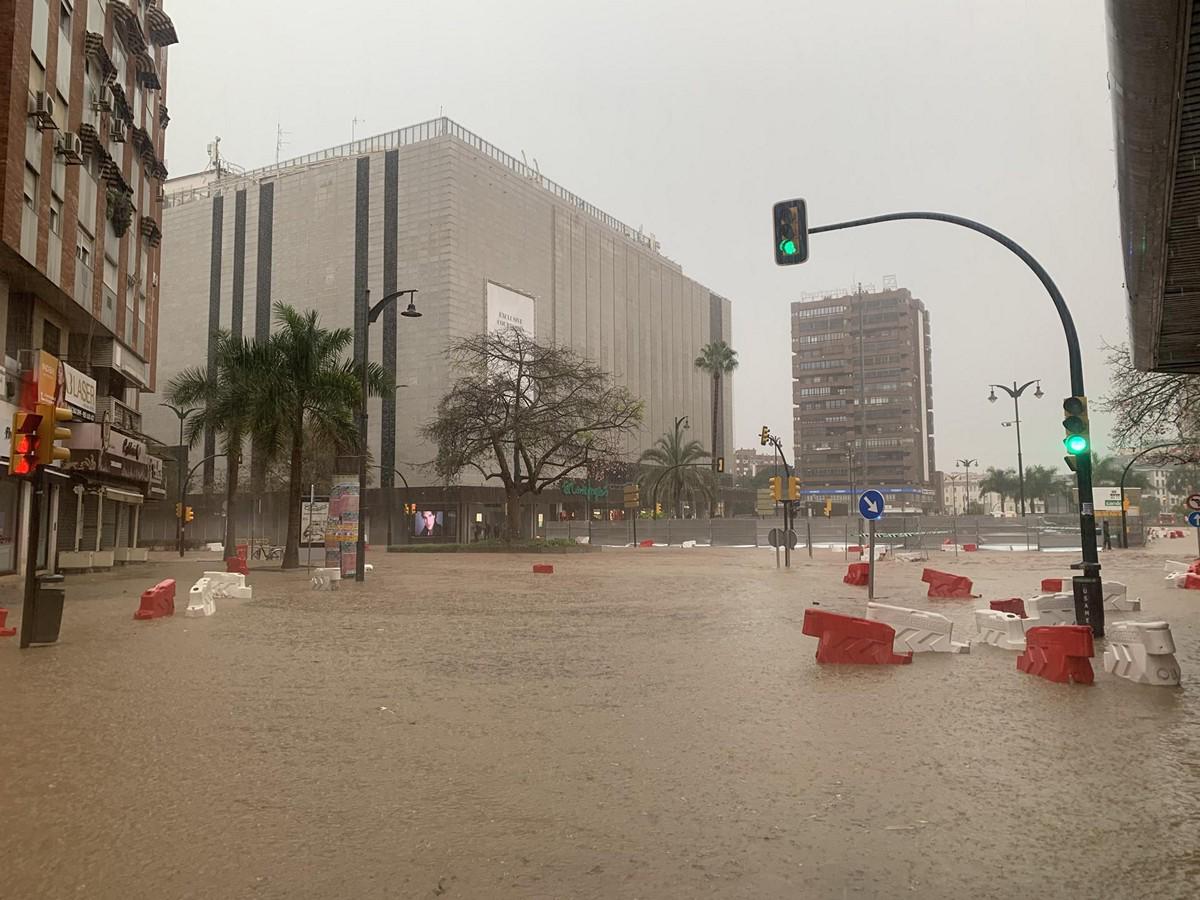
x=992, y=396
x=1038, y=392
x=411, y=311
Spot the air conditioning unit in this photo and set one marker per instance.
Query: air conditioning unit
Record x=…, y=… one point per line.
x=101, y=101
x=117, y=131
x=42, y=109
x=70, y=147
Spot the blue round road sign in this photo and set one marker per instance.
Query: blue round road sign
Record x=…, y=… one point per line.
x=1194, y=519
x=870, y=505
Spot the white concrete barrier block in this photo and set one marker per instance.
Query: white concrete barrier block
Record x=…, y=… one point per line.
x=1143, y=652
x=200, y=599
x=917, y=630
x=1116, y=597
x=230, y=585
x=1000, y=629
x=1049, y=609
x=688, y=544
x=326, y=579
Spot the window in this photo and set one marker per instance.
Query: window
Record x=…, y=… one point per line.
x=110, y=273
x=56, y=214
x=31, y=188
x=51, y=338
x=817, y=312
x=62, y=74
x=814, y=392
x=823, y=364
x=86, y=248
x=41, y=30
x=821, y=338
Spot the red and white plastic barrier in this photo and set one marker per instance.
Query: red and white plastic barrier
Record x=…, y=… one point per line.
x=1049, y=609
x=1116, y=597
x=944, y=584
x=857, y=574
x=1061, y=653
x=200, y=599
x=850, y=640
x=1142, y=652
x=326, y=579
x=235, y=564
x=5, y=632
x=917, y=631
x=158, y=601
x=1014, y=605
x=1000, y=629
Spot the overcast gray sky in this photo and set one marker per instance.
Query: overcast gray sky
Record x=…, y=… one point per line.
x=692, y=118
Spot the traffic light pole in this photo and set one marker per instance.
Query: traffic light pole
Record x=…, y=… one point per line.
x=1089, y=594
x=31, y=545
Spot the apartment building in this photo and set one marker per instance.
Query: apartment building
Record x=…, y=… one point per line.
x=747, y=462
x=862, y=394
x=81, y=173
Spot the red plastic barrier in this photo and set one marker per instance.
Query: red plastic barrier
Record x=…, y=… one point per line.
x=158, y=601
x=948, y=543
x=857, y=574
x=1194, y=568
x=646, y=543
x=1190, y=582
x=847, y=639
x=543, y=569
x=1013, y=605
x=970, y=548
x=1052, y=585
x=236, y=564
x=1060, y=653
x=5, y=632
x=854, y=548
x=943, y=584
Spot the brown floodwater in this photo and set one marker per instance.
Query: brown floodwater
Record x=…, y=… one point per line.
x=641, y=724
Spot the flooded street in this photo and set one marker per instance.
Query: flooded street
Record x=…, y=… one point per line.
x=639, y=724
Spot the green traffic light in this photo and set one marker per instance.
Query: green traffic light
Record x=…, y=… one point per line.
x=787, y=246
x=1077, y=444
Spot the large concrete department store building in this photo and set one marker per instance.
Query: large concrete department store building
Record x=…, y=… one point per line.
x=482, y=236
x=81, y=174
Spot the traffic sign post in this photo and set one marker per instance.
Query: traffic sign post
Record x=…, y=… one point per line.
x=1193, y=502
x=870, y=507
x=1193, y=519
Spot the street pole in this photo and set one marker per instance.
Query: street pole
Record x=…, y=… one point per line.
x=364, y=315
x=1020, y=460
x=1089, y=593
x=31, y=546
x=182, y=415
x=871, y=559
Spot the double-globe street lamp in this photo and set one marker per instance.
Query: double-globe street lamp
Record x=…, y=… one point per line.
x=966, y=464
x=366, y=313
x=1016, y=392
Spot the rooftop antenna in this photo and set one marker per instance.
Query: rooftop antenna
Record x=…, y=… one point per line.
x=214, y=155
x=354, y=123
x=279, y=141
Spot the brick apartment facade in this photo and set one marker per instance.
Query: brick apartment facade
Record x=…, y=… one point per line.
x=81, y=173
x=862, y=395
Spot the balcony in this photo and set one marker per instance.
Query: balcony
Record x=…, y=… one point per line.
x=120, y=416
x=109, y=353
x=160, y=26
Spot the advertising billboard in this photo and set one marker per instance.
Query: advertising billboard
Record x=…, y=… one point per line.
x=509, y=309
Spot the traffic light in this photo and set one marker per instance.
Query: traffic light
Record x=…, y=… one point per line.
x=657, y=510
x=793, y=487
x=776, y=488
x=23, y=449
x=791, y=232
x=179, y=510
x=188, y=515
x=764, y=436
x=49, y=432
x=720, y=464
x=1075, y=421
x=828, y=508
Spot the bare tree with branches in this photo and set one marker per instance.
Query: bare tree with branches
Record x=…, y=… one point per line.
x=527, y=415
x=1149, y=407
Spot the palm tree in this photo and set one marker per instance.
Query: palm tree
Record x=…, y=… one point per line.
x=1041, y=484
x=1106, y=470
x=226, y=396
x=718, y=359
x=311, y=389
x=1002, y=482
x=672, y=469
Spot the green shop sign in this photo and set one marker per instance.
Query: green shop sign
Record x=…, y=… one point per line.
x=574, y=488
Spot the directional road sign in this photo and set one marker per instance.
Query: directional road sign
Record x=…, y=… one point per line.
x=777, y=537
x=1193, y=502
x=870, y=505
x=1194, y=519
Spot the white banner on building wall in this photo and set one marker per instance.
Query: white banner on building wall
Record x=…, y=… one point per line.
x=507, y=308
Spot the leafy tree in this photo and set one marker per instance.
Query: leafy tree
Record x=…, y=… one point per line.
x=673, y=470
x=527, y=415
x=717, y=359
x=312, y=389
x=227, y=399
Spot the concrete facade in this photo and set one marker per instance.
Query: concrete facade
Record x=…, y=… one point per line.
x=466, y=214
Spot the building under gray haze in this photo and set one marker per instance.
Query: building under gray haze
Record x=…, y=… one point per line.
x=484, y=237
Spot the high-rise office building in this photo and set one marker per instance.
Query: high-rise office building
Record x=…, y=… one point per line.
x=862, y=397
x=81, y=167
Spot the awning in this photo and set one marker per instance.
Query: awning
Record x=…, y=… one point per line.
x=120, y=496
